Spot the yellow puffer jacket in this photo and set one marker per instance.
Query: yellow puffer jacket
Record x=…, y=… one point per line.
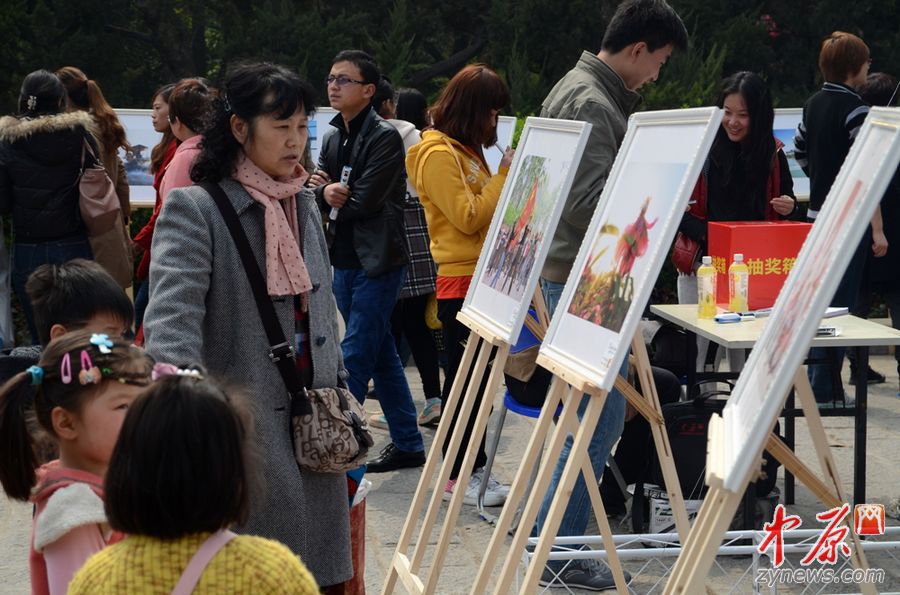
x=459, y=195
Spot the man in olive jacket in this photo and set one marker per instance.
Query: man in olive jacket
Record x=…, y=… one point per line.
x=602, y=90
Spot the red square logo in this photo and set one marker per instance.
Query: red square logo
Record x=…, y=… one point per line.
x=868, y=519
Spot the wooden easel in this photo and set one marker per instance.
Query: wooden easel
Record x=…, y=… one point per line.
x=720, y=504
x=568, y=387
x=481, y=340
x=406, y=568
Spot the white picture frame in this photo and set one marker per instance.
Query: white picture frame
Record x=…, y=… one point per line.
x=506, y=130
x=142, y=138
x=644, y=199
x=785, y=128
x=319, y=124
x=762, y=387
x=515, y=248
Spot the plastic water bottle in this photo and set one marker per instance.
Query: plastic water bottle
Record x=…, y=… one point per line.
x=738, y=285
x=706, y=289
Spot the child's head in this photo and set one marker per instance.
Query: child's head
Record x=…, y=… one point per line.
x=844, y=58
x=181, y=463
x=78, y=294
x=84, y=385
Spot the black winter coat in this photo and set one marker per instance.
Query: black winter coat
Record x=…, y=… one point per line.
x=40, y=162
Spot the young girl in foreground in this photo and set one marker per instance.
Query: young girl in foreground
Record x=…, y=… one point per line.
x=178, y=478
x=79, y=393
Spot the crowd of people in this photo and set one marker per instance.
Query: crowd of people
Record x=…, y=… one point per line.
x=144, y=431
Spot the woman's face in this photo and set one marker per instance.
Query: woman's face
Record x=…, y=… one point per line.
x=275, y=146
x=160, y=114
x=736, y=121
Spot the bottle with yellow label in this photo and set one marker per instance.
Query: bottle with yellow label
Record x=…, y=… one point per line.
x=706, y=289
x=738, y=285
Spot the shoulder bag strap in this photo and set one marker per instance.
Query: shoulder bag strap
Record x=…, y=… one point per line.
x=281, y=351
x=201, y=559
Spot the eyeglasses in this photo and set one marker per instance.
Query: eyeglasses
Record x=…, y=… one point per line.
x=342, y=80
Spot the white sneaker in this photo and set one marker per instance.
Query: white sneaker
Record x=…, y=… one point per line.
x=495, y=495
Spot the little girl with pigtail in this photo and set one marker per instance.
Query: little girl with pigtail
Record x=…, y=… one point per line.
x=75, y=399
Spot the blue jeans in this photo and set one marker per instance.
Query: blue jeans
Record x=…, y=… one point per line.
x=609, y=428
x=141, y=301
x=825, y=378
x=370, y=351
x=28, y=257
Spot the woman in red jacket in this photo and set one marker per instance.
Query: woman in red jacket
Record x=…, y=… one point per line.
x=159, y=160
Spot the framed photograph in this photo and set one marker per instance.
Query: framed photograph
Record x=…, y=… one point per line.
x=506, y=129
x=759, y=395
x=785, y=128
x=319, y=124
x=627, y=241
x=142, y=137
x=523, y=225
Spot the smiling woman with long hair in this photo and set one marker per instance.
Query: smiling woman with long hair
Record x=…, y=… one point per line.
x=202, y=307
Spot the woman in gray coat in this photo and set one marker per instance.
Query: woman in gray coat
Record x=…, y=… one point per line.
x=202, y=308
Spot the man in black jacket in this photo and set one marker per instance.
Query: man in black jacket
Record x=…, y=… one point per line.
x=366, y=236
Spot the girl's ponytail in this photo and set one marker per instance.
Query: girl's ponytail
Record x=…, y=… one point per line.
x=85, y=94
x=18, y=457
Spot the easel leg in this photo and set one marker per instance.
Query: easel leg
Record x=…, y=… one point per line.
x=829, y=468
x=431, y=464
x=519, y=485
x=478, y=430
x=603, y=523
x=571, y=402
x=577, y=457
x=661, y=437
x=703, y=542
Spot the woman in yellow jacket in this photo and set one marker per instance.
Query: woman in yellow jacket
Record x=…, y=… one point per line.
x=459, y=195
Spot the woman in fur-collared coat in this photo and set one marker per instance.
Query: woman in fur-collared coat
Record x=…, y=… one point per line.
x=40, y=164
x=202, y=308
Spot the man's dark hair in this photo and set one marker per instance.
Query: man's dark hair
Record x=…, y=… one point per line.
x=880, y=89
x=652, y=21
x=72, y=293
x=384, y=92
x=182, y=462
x=412, y=107
x=368, y=68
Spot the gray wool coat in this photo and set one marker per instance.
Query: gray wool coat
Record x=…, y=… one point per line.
x=202, y=310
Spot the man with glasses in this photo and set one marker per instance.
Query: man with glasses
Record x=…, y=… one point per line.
x=367, y=246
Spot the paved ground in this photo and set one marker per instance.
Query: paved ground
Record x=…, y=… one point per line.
x=391, y=495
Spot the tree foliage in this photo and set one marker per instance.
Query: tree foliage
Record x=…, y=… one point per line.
x=132, y=46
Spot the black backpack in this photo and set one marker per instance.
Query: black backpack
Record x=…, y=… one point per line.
x=687, y=424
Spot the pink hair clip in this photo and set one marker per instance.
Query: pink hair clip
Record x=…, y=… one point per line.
x=65, y=369
x=89, y=373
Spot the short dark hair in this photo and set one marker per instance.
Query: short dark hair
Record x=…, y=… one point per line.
x=880, y=88
x=191, y=103
x=72, y=293
x=463, y=111
x=182, y=462
x=368, y=68
x=841, y=56
x=412, y=107
x=47, y=90
x=652, y=21
x=250, y=91
x=384, y=92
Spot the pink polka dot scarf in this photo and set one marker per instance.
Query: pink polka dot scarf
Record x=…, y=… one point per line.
x=286, y=273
